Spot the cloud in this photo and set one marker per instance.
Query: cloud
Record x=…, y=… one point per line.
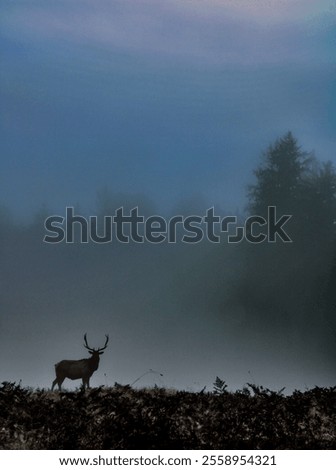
x=219, y=32
x=272, y=11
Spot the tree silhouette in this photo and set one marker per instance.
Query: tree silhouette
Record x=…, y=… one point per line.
x=280, y=176
x=283, y=283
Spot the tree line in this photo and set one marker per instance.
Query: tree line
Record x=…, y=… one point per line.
x=295, y=283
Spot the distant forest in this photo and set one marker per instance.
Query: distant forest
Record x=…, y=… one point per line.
x=294, y=284
x=278, y=286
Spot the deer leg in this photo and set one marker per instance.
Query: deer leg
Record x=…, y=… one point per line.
x=86, y=383
x=59, y=381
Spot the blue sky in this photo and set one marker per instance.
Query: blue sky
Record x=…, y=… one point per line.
x=169, y=99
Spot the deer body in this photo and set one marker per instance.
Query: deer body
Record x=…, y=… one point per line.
x=80, y=369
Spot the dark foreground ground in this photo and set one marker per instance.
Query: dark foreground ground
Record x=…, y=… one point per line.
x=123, y=418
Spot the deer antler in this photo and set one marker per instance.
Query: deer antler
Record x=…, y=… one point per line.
x=105, y=345
x=86, y=344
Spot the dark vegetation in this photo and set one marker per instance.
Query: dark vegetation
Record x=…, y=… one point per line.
x=123, y=418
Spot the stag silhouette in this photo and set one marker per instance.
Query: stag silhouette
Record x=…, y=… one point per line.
x=80, y=369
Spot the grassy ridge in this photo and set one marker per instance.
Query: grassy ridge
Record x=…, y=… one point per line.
x=123, y=418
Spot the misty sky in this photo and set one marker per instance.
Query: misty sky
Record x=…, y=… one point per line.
x=166, y=98
x=171, y=100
